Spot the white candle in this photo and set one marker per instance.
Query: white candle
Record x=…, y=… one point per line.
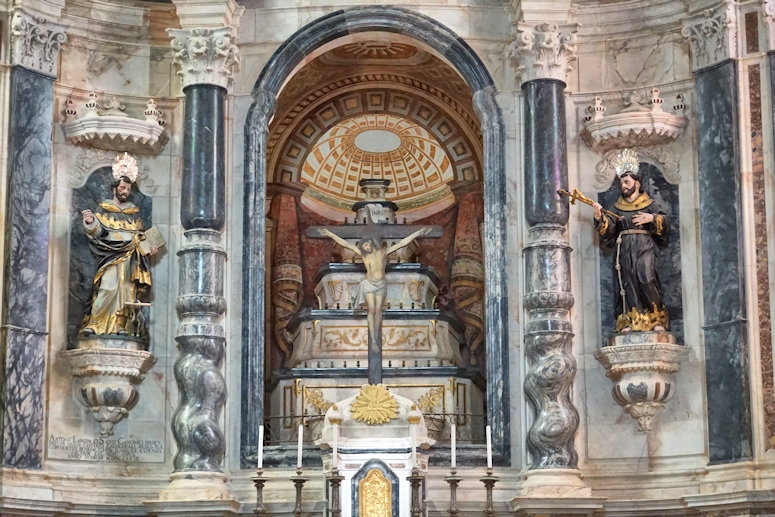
x=453, y=438
x=414, y=445
x=488, y=430
x=301, y=441
x=336, y=439
x=261, y=446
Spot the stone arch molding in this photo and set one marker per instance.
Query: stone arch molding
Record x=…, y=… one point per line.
x=280, y=66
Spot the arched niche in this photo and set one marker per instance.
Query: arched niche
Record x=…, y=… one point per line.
x=304, y=43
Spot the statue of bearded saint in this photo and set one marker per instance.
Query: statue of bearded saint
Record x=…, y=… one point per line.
x=122, y=283
x=635, y=227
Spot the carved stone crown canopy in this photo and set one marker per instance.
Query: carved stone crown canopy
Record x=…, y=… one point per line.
x=634, y=126
x=112, y=129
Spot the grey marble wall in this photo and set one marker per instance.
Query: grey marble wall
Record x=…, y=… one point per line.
x=24, y=332
x=725, y=327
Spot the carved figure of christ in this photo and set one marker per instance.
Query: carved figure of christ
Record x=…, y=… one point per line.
x=373, y=288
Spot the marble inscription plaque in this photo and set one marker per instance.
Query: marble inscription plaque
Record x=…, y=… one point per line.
x=109, y=450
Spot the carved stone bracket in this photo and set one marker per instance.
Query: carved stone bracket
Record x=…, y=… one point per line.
x=634, y=126
x=36, y=42
x=642, y=365
x=113, y=129
x=543, y=52
x=712, y=35
x=107, y=371
x=206, y=56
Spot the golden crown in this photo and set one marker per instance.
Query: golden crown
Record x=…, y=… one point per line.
x=626, y=161
x=125, y=165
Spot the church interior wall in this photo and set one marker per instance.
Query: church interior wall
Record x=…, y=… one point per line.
x=618, y=53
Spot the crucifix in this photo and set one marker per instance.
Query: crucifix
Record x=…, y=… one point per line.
x=370, y=249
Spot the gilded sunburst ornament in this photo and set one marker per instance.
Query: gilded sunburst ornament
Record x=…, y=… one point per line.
x=374, y=405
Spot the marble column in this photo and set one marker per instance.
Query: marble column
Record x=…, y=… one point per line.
x=35, y=46
x=543, y=55
x=713, y=43
x=206, y=57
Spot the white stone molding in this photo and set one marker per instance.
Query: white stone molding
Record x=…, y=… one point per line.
x=206, y=56
x=712, y=35
x=113, y=129
x=545, y=51
x=769, y=19
x=36, y=42
x=207, y=13
x=634, y=126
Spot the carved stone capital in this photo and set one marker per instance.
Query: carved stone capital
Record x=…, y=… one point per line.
x=545, y=51
x=35, y=42
x=712, y=35
x=769, y=18
x=206, y=56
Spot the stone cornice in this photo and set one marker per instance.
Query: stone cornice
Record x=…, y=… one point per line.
x=545, y=51
x=712, y=35
x=36, y=42
x=208, y=13
x=205, y=55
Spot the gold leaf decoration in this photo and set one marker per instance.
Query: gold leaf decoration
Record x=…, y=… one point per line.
x=316, y=400
x=428, y=402
x=374, y=405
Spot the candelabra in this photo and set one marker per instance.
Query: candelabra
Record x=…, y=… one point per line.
x=298, y=481
x=453, y=481
x=489, y=481
x=334, y=480
x=259, y=481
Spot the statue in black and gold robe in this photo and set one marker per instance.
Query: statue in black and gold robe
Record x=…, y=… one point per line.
x=635, y=227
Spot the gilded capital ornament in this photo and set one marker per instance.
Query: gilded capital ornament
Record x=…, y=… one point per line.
x=545, y=51
x=36, y=42
x=205, y=56
x=712, y=35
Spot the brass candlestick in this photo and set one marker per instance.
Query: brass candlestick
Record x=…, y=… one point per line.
x=259, y=481
x=298, y=481
x=489, y=481
x=415, y=479
x=335, y=480
x=453, y=481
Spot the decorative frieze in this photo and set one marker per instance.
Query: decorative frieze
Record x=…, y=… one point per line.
x=712, y=35
x=206, y=56
x=543, y=52
x=36, y=42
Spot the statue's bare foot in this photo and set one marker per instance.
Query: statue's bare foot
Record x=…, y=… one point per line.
x=659, y=328
x=626, y=329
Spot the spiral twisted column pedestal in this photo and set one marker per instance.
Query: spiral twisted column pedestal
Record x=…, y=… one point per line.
x=548, y=336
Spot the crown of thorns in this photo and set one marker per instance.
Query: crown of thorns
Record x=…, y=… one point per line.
x=125, y=165
x=626, y=161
